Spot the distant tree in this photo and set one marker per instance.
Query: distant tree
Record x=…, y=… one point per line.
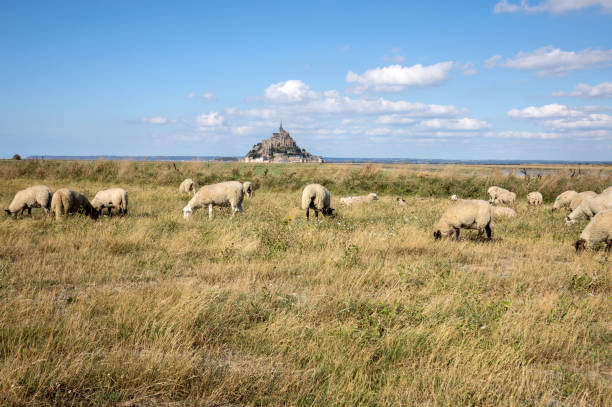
x=16, y=157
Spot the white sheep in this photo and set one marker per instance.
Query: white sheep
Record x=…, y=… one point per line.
x=318, y=198
x=534, y=198
x=229, y=193
x=66, y=201
x=37, y=196
x=507, y=198
x=597, y=231
x=401, y=201
x=494, y=192
x=454, y=197
x=188, y=186
x=349, y=200
x=564, y=200
x=466, y=214
x=580, y=197
x=589, y=208
x=111, y=198
x=502, y=212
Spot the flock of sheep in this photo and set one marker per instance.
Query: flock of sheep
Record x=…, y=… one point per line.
x=464, y=214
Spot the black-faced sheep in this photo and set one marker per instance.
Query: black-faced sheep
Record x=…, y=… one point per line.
x=188, y=186
x=37, y=196
x=597, y=231
x=318, y=198
x=111, y=198
x=589, y=208
x=66, y=201
x=466, y=214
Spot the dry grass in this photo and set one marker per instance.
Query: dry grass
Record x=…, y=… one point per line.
x=267, y=309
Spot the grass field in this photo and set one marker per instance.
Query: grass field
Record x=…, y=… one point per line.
x=267, y=309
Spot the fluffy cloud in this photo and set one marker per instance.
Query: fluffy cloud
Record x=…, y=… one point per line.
x=212, y=119
x=550, y=6
x=154, y=120
x=543, y=112
x=553, y=61
x=208, y=96
x=395, y=78
x=465, y=123
x=291, y=91
x=603, y=90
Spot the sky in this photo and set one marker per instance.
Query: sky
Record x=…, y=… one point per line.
x=468, y=80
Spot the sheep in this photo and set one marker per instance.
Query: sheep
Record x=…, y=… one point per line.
x=454, y=197
x=502, y=212
x=401, y=201
x=507, y=198
x=534, y=198
x=37, y=196
x=188, y=186
x=589, y=208
x=607, y=191
x=111, y=198
x=349, y=200
x=222, y=194
x=494, y=192
x=580, y=197
x=598, y=230
x=68, y=201
x=316, y=197
x=467, y=214
x=564, y=200
x=248, y=189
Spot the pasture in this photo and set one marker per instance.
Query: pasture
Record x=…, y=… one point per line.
x=267, y=309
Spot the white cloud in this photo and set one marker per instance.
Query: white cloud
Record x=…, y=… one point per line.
x=543, y=112
x=190, y=95
x=211, y=119
x=603, y=90
x=465, y=123
x=395, y=78
x=522, y=135
x=289, y=91
x=208, y=96
x=469, y=69
x=553, y=61
x=154, y=120
x=550, y=6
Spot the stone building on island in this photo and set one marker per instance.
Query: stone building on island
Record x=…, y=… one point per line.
x=280, y=148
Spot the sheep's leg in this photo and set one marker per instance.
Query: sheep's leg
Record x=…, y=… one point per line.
x=307, y=213
x=488, y=230
x=608, y=245
x=316, y=214
x=109, y=212
x=209, y=211
x=480, y=232
x=457, y=234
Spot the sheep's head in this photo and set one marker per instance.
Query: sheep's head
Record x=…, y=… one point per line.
x=437, y=234
x=8, y=212
x=328, y=211
x=94, y=213
x=580, y=244
x=247, y=187
x=569, y=221
x=374, y=196
x=187, y=212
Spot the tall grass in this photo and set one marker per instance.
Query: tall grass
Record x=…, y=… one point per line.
x=267, y=309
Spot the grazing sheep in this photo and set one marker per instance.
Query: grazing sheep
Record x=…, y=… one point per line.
x=507, y=198
x=502, y=212
x=349, y=200
x=580, y=197
x=467, y=214
x=454, y=197
x=222, y=194
x=37, y=196
x=494, y=192
x=534, y=198
x=589, y=208
x=188, y=186
x=111, y=198
x=401, y=201
x=564, y=200
x=598, y=230
x=66, y=201
x=316, y=197
x=248, y=189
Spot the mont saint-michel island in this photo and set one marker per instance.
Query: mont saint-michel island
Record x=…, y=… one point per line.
x=280, y=148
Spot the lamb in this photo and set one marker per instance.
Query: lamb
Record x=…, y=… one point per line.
x=467, y=214
x=598, y=230
x=507, y=198
x=222, y=194
x=111, y=198
x=37, y=196
x=589, y=208
x=316, y=197
x=188, y=186
x=494, y=192
x=534, y=198
x=349, y=200
x=502, y=212
x=580, y=197
x=68, y=201
x=564, y=200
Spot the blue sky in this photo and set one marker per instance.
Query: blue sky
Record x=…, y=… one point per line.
x=456, y=80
